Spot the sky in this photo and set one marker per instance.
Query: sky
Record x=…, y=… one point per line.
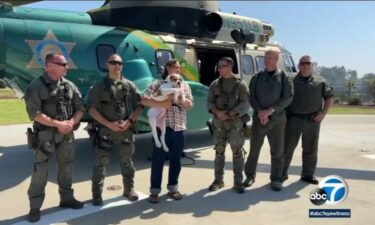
x=333, y=32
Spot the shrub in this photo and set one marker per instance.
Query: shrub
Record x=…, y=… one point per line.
x=355, y=100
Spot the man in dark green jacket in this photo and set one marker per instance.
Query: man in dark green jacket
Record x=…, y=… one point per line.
x=271, y=91
x=312, y=99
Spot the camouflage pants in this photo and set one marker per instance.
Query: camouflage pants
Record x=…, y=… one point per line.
x=229, y=133
x=64, y=149
x=124, y=148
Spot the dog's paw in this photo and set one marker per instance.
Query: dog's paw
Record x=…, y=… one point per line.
x=165, y=148
x=157, y=144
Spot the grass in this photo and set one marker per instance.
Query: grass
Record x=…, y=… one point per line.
x=352, y=110
x=13, y=111
x=6, y=92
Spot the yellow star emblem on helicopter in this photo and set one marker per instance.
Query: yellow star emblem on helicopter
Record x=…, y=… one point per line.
x=49, y=43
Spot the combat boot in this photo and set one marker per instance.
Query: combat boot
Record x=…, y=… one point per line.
x=284, y=178
x=97, y=200
x=248, y=181
x=131, y=194
x=239, y=188
x=34, y=215
x=276, y=186
x=216, y=185
x=72, y=204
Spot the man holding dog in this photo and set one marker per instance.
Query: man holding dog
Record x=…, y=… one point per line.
x=175, y=125
x=114, y=104
x=228, y=101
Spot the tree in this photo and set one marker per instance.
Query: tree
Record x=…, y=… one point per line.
x=367, y=86
x=352, y=75
x=350, y=85
x=371, y=87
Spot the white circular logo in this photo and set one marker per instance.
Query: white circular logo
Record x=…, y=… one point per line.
x=336, y=189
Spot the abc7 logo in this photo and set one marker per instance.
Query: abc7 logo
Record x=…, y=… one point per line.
x=332, y=190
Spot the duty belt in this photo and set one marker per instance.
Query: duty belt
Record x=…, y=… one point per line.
x=308, y=116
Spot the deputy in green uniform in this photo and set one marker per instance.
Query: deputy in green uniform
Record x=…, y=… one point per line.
x=55, y=106
x=114, y=104
x=312, y=99
x=228, y=101
x=271, y=91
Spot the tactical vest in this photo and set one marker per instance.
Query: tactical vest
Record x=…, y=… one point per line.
x=60, y=99
x=226, y=96
x=121, y=98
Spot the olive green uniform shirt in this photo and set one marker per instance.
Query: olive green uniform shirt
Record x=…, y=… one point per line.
x=310, y=94
x=103, y=98
x=270, y=90
x=38, y=97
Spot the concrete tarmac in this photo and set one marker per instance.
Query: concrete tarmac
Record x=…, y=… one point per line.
x=347, y=149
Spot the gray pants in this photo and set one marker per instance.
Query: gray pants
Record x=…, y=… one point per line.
x=125, y=150
x=234, y=135
x=274, y=130
x=310, y=138
x=64, y=150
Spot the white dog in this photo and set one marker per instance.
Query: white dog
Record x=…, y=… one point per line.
x=156, y=116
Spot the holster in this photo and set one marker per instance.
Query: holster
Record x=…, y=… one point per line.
x=32, y=138
x=245, y=118
x=210, y=126
x=93, y=131
x=246, y=130
x=105, y=144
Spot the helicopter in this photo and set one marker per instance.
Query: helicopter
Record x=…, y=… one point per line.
x=145, y=34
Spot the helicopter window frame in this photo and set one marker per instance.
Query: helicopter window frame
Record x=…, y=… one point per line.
x=251, y=64
x=259, y=61
x=160, y=65
x=99, y=57
x=289, y=65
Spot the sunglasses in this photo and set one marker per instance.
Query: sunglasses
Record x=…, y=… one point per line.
x=115, y=63
x=60, y=64
x=221, y=66
x=305, y=63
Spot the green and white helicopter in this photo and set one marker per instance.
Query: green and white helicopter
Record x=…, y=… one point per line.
x=145, y=34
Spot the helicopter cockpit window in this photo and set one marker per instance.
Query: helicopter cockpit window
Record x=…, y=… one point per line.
x=289, y=64
x=247, y=65
x=162, y=56
x=259, y=60
x=103, y=52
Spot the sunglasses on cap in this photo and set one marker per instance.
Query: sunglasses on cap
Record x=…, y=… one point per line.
x=115, y=63
x=305, y=63
x=60, y=64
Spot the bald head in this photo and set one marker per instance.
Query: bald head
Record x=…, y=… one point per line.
x=305, y=58
x=270, y=60
x=115, y=57
x=305, y=66
x=114, y=65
